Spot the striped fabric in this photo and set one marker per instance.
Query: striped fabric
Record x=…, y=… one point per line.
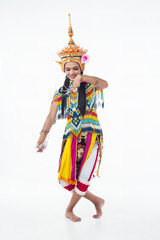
x=75, y=122
x=86, y=172
x=68, y=158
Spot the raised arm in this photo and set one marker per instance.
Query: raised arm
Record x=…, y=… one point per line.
x=48, y=122
x=98, y=82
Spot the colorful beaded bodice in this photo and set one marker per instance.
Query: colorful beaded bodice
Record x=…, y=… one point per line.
x=75, y=121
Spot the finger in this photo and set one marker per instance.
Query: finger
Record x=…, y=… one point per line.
x=39, y=150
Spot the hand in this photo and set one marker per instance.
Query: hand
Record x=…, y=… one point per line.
x=41, y=146
x=77, y=81
x=40, y=150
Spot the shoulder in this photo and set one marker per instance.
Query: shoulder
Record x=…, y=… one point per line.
x=57, y=95
x=58, y=92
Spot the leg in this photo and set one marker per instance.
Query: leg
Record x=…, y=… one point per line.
x=69, y=210
x=97, y=201
x=74, y=200
x=85, y=177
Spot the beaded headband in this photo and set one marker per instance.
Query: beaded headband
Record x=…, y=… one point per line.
x=72, y=53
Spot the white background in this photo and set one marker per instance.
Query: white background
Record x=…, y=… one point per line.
x=122, y=38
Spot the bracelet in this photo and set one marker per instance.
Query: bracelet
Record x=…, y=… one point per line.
x=44, y=131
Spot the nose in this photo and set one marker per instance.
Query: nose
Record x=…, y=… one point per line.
x=72, y=72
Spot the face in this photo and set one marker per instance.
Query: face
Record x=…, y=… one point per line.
x=72, y=69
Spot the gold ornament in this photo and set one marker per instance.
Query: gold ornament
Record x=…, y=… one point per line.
x=72, y=52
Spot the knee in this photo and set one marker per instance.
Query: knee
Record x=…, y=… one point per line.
x=67, y=186
x=70, y=187
x=81, y=187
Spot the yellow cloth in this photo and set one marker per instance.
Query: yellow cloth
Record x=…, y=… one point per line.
x=66, y=162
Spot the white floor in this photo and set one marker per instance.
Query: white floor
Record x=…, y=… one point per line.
x=34, y=211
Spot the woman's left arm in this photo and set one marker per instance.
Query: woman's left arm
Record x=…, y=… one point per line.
x=98, y=82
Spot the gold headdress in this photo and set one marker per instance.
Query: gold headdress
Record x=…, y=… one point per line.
x=72, y=53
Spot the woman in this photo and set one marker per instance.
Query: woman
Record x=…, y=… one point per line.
x=82, y=142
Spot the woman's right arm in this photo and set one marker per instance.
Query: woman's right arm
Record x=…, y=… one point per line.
x=48, y=122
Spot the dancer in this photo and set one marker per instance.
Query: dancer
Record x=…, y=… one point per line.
x=82, y=145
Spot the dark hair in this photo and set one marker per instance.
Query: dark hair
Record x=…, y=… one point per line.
x=81, y=96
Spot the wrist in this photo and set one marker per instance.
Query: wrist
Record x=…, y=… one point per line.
x=41, y=139
x=81, y=79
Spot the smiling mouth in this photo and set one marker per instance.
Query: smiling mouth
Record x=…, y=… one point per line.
x=73, y=76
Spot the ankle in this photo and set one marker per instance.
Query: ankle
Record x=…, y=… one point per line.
x=69, y=209
x=97, y=200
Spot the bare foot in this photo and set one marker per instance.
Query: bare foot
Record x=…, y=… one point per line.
x=98, y=206
x=69, y=214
